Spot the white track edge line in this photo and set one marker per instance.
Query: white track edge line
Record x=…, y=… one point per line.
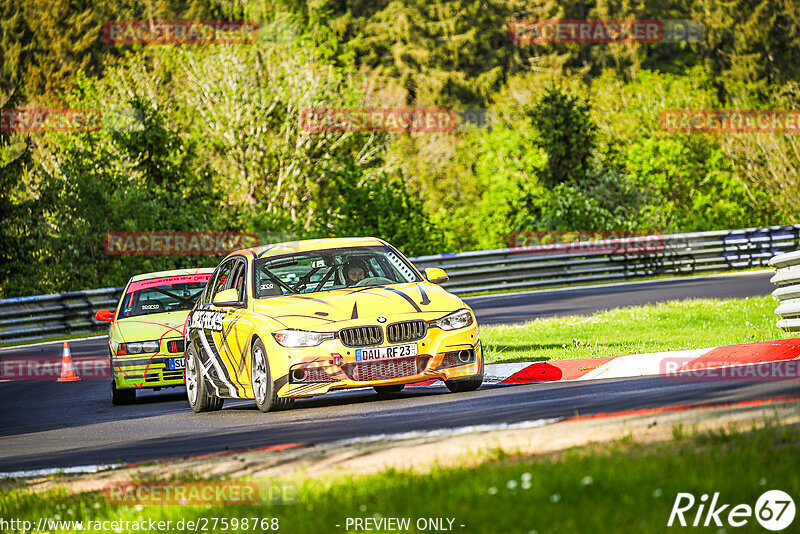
x=94, y=468
x=15, y=347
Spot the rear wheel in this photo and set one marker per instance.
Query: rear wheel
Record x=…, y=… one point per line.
x=200, y=397
x=387, y=390
x=120, y=397
x=461, y=385
x=264, y=390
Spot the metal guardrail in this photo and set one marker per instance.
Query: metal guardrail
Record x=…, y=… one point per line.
x=40, y=316
x=527, y=268
x=29, y=318
x=787, y=278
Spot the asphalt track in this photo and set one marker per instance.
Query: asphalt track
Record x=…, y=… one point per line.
x=521, y=307
x=47, y=424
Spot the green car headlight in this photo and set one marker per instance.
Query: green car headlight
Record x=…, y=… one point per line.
x=139, y=347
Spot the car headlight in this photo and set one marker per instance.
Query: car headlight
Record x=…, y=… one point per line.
x=454, y=321
x=140, y=347
x=300, y=338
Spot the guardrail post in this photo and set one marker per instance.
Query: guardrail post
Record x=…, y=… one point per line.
x=787, y=278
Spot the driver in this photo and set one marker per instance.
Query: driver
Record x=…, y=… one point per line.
x=354, y=271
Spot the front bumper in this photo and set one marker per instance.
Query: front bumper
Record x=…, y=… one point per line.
x=148, y=370
x=442, y=355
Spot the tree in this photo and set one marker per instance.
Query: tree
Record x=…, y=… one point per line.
x=142, y=178
x=566, y=134
x=380, y=206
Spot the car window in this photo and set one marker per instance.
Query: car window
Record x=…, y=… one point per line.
x=324, y=270
x=220, y=280
x=166, y=297
x=237, y=279
x=375, y=267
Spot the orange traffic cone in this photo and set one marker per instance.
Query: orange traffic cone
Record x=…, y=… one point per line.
x=68, y=373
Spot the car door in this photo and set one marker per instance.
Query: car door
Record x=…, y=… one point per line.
x=233, y=348
x=211, y=325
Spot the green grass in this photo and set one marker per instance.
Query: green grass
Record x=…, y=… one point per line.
x=620, y=487
x=676, y=325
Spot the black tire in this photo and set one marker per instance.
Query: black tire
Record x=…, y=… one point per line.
x=215, y=403
x=200, y=397
x=460, y=385
x=121, y=397
x=264, y=391
x=388, y=390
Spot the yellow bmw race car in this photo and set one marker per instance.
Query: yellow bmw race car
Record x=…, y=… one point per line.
x=146, y=335
x=303, y=318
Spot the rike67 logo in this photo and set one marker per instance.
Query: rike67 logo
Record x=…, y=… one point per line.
x=774, y=510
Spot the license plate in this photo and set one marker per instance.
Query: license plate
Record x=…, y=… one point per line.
x=386, y=353
x=177, y=363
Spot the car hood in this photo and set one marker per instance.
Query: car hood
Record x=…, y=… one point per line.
x=359, y=305
x=152, y=326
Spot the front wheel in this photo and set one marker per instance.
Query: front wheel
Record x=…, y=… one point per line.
x=200, y=398
x=460, y=385
x=120, y=397
x=264, y=390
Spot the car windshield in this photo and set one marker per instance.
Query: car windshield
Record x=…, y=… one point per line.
x=159, y=298
x=324, y=270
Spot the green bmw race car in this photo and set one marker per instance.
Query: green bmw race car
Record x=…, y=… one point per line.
x=146, y=335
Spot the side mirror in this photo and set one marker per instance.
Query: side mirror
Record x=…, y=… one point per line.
x=435, y=276
x=104, y=315
x=229, y=297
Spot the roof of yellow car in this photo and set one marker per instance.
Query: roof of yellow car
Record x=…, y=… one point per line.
x=277, y=249
x=174, y=272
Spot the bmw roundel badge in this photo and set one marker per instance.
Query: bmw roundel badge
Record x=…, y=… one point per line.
x=381, y=319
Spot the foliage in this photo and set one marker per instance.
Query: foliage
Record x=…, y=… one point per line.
x=383, y=206
x=573, y=138
x=141, y=178
x=446, y=53
x=693, y=184
x=566, y=134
